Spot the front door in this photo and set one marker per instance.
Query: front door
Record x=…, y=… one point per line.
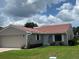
x=58, y=39
x=45, y=40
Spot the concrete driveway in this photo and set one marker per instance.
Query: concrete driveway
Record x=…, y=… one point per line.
x=7, y=49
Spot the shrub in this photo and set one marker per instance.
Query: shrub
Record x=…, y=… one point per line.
x=72, y=42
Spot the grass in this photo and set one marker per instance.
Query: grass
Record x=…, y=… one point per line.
x=61, y=52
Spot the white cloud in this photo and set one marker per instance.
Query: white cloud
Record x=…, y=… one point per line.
x=5, y=20
x=77, y=2
x=25, y=8
x=65, y=15
x=41, y=20
x=66, y=6
x=75, y=23
x=14, y=10
x=30, y=1
x=68, y=13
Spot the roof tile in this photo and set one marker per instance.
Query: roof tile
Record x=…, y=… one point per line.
x=61, y=28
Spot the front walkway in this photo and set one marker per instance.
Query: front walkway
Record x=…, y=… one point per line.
x=7, y=49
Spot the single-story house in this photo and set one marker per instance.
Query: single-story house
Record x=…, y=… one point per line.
x=16, y=36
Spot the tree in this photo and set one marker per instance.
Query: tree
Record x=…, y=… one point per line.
x=31, y=25
x=76, y=30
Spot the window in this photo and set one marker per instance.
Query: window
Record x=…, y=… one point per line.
x=50, y=37
x=58, y=37
x=37, y=37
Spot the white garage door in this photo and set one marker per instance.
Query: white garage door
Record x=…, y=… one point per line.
x=12, y=41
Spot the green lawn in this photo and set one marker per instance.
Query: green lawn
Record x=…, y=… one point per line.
x=62, y=52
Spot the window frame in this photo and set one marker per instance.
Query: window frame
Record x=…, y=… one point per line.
x=37, y=37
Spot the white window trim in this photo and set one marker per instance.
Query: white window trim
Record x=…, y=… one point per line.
x=36, y=37
x=53, y=37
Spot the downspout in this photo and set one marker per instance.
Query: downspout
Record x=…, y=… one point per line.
x=27, y=40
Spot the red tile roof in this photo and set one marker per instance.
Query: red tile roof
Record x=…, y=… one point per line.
x=61, y=28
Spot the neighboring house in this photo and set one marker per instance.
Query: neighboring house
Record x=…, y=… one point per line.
x=15, y=36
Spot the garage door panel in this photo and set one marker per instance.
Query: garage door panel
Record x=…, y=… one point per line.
x=12, y=41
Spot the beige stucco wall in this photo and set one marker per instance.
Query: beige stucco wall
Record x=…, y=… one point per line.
x=70, y=33
x=12, y=37
x=46, y=40
x=64, y=39
x=33, y=40
x=11, y=31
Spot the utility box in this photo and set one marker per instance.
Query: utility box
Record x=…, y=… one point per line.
x=52, y=57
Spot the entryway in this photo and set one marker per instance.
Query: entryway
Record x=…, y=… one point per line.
x=58, y=39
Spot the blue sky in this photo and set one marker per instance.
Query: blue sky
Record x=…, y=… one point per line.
x=42, y=12
x=52, y=10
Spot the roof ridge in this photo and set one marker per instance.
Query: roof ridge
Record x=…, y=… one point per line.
x=53, y=25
